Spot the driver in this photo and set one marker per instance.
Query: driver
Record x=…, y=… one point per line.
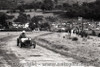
x=22, y=35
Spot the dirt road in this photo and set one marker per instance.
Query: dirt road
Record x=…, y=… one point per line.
x=13, y=56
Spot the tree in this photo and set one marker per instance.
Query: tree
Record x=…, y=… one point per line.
x=51, y=19
x=3, y=18
x=66, y=6
x=37, y=5
x=45, y=26
x=35, y=22
x=86, y=10
x=7, y=4
x=22, y=18
x=21, y=8
x=47, y=5
x=56, y=1
x=32, y=26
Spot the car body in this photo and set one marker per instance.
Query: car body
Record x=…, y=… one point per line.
x=88, y=31
x=25, y=42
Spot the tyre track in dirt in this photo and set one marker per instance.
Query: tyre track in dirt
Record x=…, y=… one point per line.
x=14, y=55
x=41, y=41
x=11, y=59
x=8, y=58
x=40, y=54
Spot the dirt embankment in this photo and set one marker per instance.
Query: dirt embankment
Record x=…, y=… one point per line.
x=86, y=52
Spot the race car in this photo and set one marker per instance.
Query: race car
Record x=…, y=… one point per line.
x=25, y=42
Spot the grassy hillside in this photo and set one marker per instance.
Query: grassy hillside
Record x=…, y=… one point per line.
x=74, y=1
x=29, y=1
x=63, y=1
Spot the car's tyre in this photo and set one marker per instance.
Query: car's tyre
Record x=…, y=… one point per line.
x=20, y=45
x=99, y=35
x=93, y=33
x=34, y=46
x=17, y=42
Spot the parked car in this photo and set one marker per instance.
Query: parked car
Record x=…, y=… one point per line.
x=61, y=28
x=89, y=31
x=95, y=31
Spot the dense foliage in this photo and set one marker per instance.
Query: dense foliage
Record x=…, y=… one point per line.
x=7, y=4
x=47, y=5
x=86, y=10
x=3, y=18
x=51, y=19
x=35, y=22
x=39, y=22
x=22, y=18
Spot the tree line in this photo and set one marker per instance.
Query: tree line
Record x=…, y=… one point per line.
x=86, y=10
x=34, y=22
x=45, y=5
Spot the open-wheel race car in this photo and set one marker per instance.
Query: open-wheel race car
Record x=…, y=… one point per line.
x=25, y=42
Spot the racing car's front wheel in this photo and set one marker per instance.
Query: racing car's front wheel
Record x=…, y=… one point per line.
x=20, y=45
x=17, y=42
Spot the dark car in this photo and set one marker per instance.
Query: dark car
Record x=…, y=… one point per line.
x=25, y=42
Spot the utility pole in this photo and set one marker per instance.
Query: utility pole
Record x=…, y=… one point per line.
x=80, y=19
x=82, y=26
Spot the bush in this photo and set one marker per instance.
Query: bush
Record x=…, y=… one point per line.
x=35, y=22
x=86, y=10
x=93, y=33
x=10, y=16
x=22, y=18
x=74, y=39
x=51, y=18
x=47, y=5
x=83, y=34
x=3, y=18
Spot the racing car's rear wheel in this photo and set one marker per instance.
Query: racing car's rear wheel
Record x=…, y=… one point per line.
x=34, y=46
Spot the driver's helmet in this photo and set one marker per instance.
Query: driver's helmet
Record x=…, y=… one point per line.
x=23, y=31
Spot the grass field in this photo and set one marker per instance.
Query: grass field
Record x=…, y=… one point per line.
x=84, y=51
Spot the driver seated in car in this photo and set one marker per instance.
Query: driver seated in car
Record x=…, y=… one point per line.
x=22, y=37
